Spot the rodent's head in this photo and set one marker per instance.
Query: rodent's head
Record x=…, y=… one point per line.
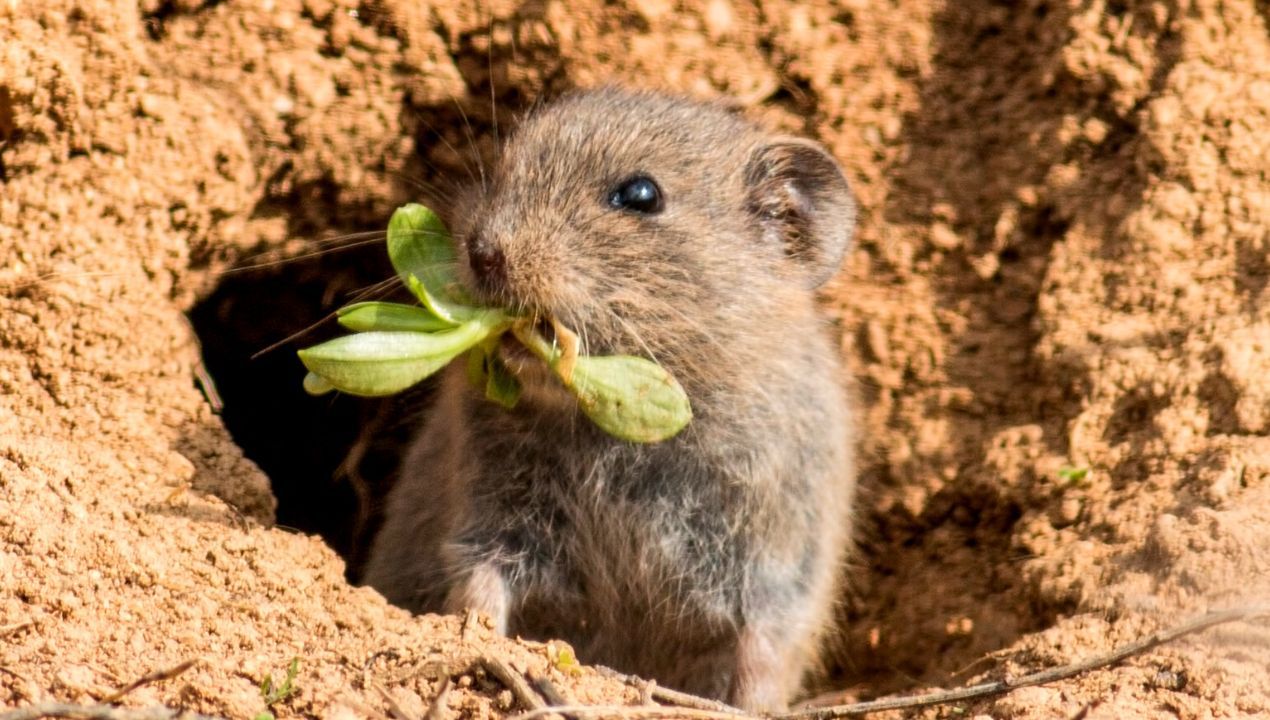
x=651, y=224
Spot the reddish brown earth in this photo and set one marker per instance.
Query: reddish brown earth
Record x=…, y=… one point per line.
x=1063, y=262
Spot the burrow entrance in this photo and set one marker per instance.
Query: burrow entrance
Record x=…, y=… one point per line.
x=329, y=459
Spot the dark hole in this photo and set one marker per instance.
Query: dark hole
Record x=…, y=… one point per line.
x=155, y=19
x=328, y=458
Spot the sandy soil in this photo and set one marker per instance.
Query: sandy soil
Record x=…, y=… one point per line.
x=1062, y=264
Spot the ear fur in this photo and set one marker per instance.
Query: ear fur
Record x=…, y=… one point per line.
x=798, y=194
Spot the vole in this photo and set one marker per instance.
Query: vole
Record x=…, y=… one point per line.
x=678, y=231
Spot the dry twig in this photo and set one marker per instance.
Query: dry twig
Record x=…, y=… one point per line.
x=201, y=376
x=208, y=386
x=1000, y=687
x=440, y=708
x=394, y=707
x=470, y=620
x=15, y=628
x=974, y=692
x=666, y=695
x=515, y=682
x=99, y=712
x=634, y=711
x=148, y=678
x=548, y=689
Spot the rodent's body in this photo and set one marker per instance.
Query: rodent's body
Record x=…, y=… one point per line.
x=709, y=561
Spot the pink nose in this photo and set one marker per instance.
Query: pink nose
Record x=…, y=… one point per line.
x=488, y=264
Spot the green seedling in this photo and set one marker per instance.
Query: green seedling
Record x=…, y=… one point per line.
x=395, y=346
x=563, y=659
x=273, y=694
x=1072, y=475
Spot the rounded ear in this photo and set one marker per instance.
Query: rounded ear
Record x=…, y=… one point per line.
x=798, y=194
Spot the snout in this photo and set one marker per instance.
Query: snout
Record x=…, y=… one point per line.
x=518, y=271
x=488, y=264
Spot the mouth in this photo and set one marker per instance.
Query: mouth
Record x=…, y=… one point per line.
x=520, y=359
x=514, y=354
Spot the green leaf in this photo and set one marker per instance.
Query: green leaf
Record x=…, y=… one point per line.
x=564, y=659
x=382, y=363
x=368, y=316
x=399, y=345
x=453, y=313
x=477, y=377
x=273, y=694
x=420, y=247
x=288, y=687
x=315, y=384
x=501, y=385
x=1072, y=475
x=628, y=397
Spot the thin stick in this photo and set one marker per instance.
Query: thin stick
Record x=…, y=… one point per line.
x=15, y=628
x=513, y=681
x=632, y=711
x=470, y=619
x=974, y=692
x=10, y=671
x=148, y=678
x=99, y=712
x=208, y=386
x=548, y=690
x=1063, y=672
x=394, y=707
x=666, y=695
x=440, y=707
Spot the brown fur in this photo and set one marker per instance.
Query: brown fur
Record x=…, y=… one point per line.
x=709, y=561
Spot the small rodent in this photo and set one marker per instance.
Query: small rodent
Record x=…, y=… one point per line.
x=678, y=231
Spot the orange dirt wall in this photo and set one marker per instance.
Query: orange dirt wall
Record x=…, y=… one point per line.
x=1062, y=263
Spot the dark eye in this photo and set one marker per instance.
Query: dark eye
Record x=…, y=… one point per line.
x=639, y=194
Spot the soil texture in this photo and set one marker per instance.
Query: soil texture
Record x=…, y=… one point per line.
x=1056, y=316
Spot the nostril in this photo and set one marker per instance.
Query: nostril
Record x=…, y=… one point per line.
x=488, y=264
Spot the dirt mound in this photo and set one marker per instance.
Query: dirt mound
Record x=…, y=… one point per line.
x=1056, y=315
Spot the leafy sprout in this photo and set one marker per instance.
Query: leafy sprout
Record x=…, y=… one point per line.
x=272, y=693
x=1072, y=475
x=395, y=346
x=563, y=659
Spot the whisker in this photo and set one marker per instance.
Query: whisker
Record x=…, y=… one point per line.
x=493, y=102
x=246, y=264
x=293, y=336
x=471, y=141
x=59, y=275
x=432, y=195
x=336, y=239
x=301, y=256
x=635, y=335
x=380, y=289
x=422, y=231
x=467, y=167
x=584, y=335
x=585, y=223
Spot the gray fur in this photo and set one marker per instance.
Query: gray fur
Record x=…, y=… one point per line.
x=709, y=561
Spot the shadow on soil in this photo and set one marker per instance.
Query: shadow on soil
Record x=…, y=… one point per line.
x=945, y=587
x=332, y=459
